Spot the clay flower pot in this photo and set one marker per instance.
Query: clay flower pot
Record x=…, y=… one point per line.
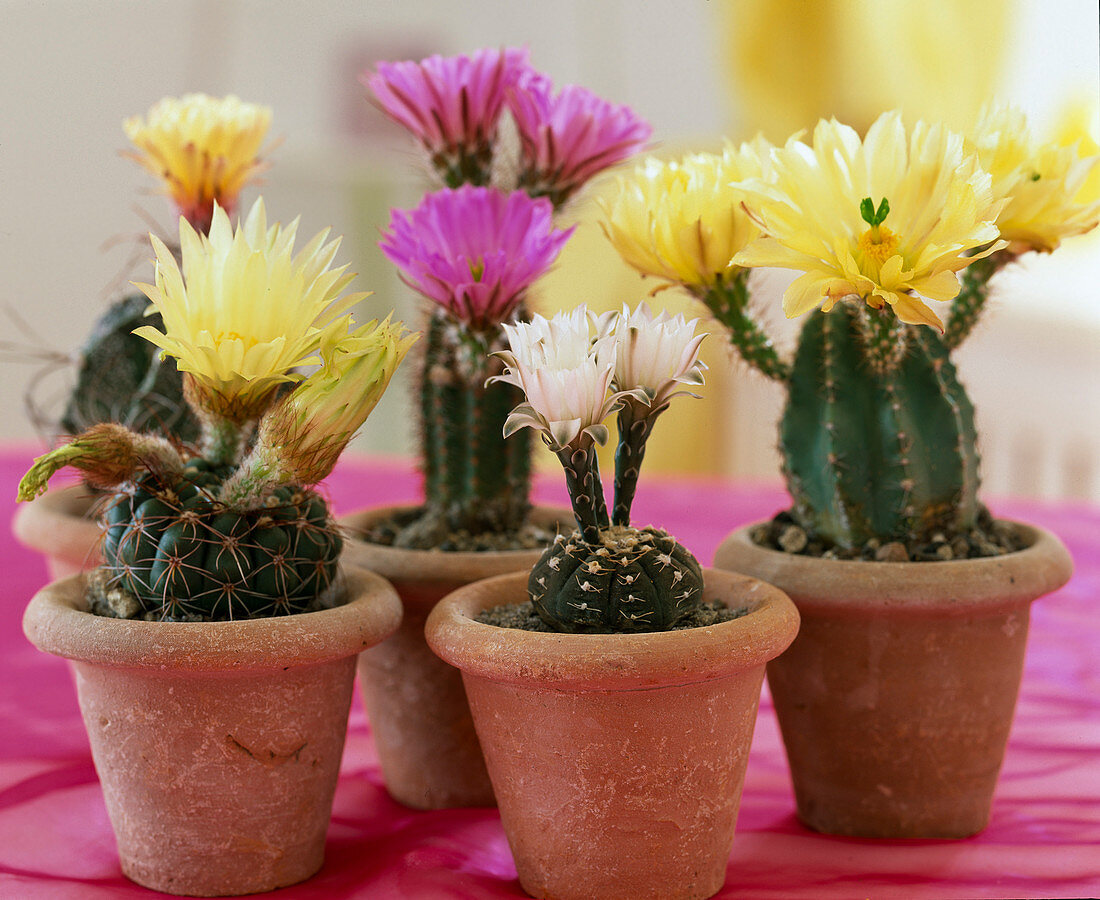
x=617, y=759
x=420, y=720
x=896, y=698
x=217, y=744
x=61, y=527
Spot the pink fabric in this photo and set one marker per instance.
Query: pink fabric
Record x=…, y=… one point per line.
x=1043, y=840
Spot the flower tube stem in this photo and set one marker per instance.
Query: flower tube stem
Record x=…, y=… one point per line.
x=223, y=440
x=728, y=299
x=970, y=301
x=635, y=425
x=582, y=479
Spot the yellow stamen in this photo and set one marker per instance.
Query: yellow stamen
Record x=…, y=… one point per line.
x=878, y=243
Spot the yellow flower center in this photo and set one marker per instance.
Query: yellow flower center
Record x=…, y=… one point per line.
x=249, y=342
x=878, y=243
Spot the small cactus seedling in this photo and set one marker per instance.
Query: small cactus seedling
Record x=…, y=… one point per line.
x=236, y=531
x=474, y=248
x=878, y=436
x=607, y=576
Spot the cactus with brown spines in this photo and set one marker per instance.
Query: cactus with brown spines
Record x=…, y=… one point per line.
x=235, y=531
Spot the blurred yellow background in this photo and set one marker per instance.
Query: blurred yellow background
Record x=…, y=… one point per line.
x=699, y=70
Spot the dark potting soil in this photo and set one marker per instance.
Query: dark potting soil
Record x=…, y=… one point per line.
x=524, y=617
x=410, y=530
x=989, y=537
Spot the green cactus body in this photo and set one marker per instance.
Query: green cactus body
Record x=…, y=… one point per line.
x=120, y=378
x=181, y=554
x=875, y=450
x=475, y=481
x=633, y=580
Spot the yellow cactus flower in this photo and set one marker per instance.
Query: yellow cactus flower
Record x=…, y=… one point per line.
x=245, y=312
x=305, y=432
x=1043, y=180
x=681, y=221
x=203, y=148
x=888, y=220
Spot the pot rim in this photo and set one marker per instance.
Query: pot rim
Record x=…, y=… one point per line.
x=947, y=587
x=613, y=662
x=57, y=621
x=408, y=565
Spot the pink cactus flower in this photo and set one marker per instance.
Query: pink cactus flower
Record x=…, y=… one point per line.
x=451, y=104
x=474, y=250
x=568, y=137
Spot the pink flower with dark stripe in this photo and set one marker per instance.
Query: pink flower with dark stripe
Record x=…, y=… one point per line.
x=474, y=250
x=568, y=137
x=451, y=104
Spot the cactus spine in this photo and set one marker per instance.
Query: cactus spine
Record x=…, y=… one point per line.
x=181, y=553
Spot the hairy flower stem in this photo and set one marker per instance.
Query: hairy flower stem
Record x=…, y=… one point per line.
x=254, y=481
x=970, y=302
x=635, y=425
x=728, y=301
x=582, y=479
x=223, y=441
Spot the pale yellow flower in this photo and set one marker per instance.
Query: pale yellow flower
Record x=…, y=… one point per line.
x=245, y=311
x=306, y=431
x=939, y=206
x=203, y=148
x=1043, y=180
x=681, y=221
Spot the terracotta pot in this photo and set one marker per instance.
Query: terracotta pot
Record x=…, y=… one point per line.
x=61, y=525
x=419, y=717
x=217, y=744
x=896, y=699
x=617, y=760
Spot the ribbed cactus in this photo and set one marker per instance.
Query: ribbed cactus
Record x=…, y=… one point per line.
x=878, y=434
x=180, y=553
x=474, y=481
x=120, y=378
x=630, y=580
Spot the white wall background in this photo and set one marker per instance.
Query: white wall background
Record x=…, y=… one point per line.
x=71, y=70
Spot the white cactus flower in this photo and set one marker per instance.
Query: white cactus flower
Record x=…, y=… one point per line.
x=654, y=354
x=565, y=375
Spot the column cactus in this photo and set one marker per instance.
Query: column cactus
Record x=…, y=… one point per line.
x=474, y=248
x=877, y=435
x=607, y=576
x=236, y=531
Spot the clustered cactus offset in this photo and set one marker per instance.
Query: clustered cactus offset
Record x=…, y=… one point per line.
x=877, y=436
x=607, y=576
x=474, y=248
x=235, y=530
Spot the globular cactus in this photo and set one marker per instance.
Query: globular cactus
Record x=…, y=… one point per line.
x=878, y=434
x=474, y=481
x=180, y=553
x=120, y=378
x=631, y=580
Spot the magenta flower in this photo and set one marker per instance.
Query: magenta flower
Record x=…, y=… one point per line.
x=569, y=137
x=474, y=250
x=451, y=104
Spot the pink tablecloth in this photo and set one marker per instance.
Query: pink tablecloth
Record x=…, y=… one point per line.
x=1043, y=840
